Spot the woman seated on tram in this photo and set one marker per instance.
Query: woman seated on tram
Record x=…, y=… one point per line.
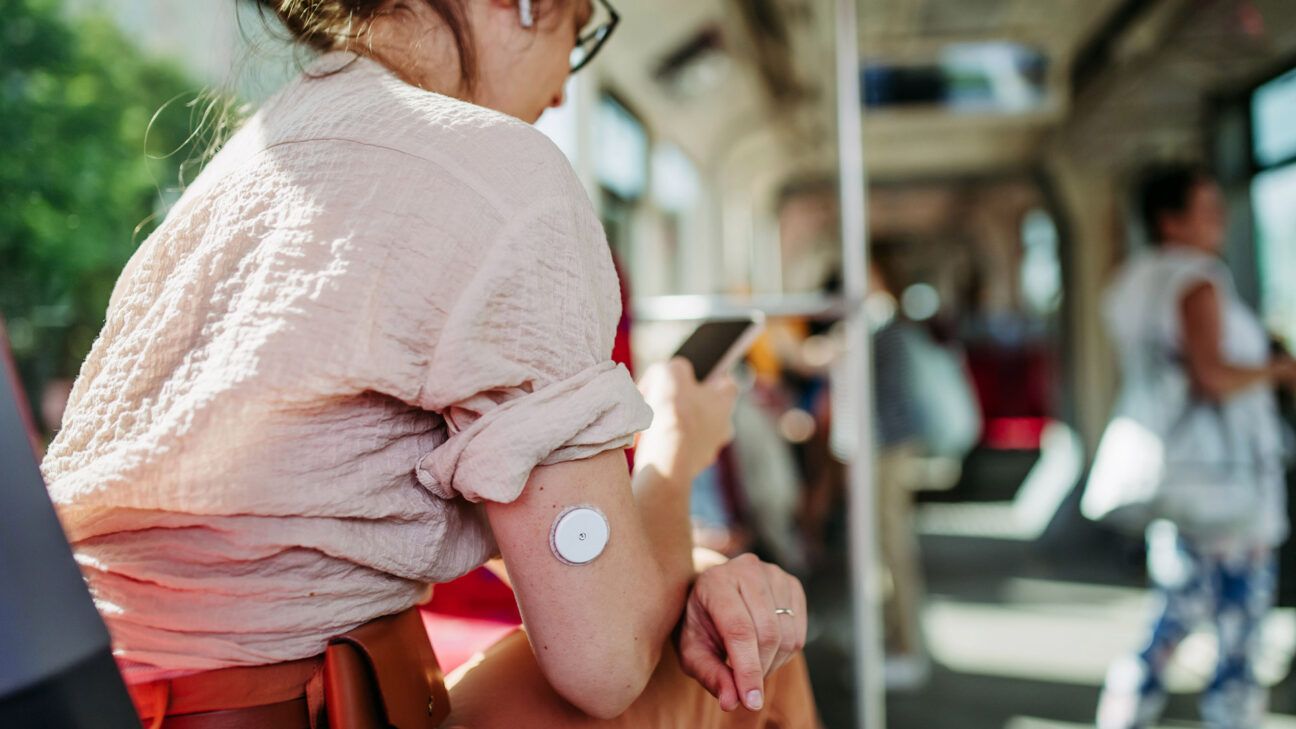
x=366, y=351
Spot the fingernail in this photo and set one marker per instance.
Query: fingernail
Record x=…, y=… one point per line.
x=754, y=699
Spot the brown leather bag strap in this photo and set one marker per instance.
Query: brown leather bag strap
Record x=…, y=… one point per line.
x=385, y=673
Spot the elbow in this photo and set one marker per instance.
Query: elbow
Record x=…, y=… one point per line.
x=614, y=672
x=606, y=684
x=604, y=708
x=1209, y=380
x=1209, y=387
x=604, y=694
x=609, y=667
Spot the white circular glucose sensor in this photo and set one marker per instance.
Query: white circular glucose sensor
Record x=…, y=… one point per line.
x=579, y=535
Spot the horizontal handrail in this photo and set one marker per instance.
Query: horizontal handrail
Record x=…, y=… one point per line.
x=706, y=307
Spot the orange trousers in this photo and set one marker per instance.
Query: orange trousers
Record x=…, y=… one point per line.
x=504, y=689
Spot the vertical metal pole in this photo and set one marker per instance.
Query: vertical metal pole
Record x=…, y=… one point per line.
x=870, y=691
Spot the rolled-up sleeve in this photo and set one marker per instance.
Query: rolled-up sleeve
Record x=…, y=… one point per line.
x=522, y=370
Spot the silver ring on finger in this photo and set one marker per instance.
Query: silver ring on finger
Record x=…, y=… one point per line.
x=785, y=611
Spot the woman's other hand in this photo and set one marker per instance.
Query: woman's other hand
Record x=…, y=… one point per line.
x=743, y=620
x=692, y=420
x=1284, y=369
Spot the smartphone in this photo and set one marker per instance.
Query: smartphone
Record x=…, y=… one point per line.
x=716, y=346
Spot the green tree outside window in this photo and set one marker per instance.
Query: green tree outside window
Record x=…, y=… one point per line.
x=85, y=171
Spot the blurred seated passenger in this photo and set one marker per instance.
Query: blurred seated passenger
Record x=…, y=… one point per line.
x=367, y=350
x=1198, y=387
x=769, y=483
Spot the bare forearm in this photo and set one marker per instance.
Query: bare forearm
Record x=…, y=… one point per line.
x=1220, y=381
x=663, y=502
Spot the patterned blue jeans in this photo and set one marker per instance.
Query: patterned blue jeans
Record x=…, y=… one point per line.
x=1231, y=589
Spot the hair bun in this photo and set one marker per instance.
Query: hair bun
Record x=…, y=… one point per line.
x=310, y=22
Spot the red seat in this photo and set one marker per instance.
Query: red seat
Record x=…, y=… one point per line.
x=467, y=615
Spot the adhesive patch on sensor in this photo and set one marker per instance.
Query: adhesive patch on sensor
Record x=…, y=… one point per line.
x=579, y=535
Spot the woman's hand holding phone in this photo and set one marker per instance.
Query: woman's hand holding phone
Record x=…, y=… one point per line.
x=692, y=420
x=1284, y=368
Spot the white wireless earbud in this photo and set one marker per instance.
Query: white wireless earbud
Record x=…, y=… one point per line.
x=524, y=10
x=579, y=535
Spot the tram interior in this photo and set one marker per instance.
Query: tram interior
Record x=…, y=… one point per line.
x=1000, y=140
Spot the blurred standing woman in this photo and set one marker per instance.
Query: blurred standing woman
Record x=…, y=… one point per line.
x=368, y=349
x=1196, y=448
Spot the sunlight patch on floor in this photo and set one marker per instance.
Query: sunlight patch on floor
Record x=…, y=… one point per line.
x=1272, y=721
x=1053, y=476
x=1070, y=633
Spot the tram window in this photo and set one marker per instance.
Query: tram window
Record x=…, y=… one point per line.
x=985, y=77
x=1041, y=270
x=1273, y=106
x=675, y=181
x=621, y=144
x=561, y=124
x=1272, y=193
x=994, y=76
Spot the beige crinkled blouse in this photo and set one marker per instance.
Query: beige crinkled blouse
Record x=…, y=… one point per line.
x=376, y=307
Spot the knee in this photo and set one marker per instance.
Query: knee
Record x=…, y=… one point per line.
x=792, y=677
x=791, y=697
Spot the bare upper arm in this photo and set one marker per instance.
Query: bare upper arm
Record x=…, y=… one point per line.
x=522, y=527
x=587, y=623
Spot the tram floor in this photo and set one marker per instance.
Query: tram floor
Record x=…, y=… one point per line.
x=1020, y=634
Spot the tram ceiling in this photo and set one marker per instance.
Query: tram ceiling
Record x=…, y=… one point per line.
x=761, y=68
x=1125, y=79
x=651, y=32
x=707, y=74
x=899, y=28
x=744, y=87
x=1163, y=70
x=931, y=42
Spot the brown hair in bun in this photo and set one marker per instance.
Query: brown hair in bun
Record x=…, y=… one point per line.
x=327, y=25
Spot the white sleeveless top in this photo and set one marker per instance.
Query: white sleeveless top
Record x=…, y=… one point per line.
x=1142, y=309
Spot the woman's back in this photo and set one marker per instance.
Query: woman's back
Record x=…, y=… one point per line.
x=256, y=454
